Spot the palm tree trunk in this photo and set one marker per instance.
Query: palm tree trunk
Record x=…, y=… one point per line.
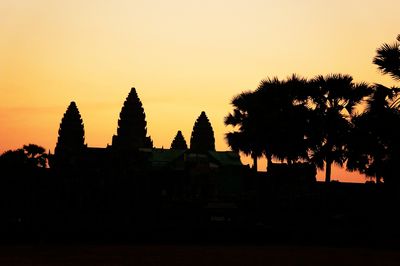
x=255, y=162
x=328, y=171
x=269, y=161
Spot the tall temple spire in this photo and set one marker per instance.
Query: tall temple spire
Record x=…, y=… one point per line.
x=179, y=142
x=202, y=139
x=132, y=130
x=71, y=135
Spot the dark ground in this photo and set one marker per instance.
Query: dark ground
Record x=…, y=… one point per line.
x=195, y=255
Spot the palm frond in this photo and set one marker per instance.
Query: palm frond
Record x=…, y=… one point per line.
x=388, y=59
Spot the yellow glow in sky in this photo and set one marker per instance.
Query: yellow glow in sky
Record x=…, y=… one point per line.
x=183, y=56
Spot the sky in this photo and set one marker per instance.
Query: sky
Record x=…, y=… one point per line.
x=182, y=56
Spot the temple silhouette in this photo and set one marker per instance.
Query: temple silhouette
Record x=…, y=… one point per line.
x=131, y=172
x=131, y=191
x=132, y=187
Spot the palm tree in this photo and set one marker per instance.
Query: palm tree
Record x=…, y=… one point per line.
x=334, y=98
x=374, y=146
x=271, y=121
x=286, y=117
x=372, y=133
x=388, y=59
x=246, y=139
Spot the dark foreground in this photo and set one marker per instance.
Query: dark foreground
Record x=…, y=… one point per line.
x=195, y=255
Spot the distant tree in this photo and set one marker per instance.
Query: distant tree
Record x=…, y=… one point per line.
x=13, y=159
x=388, y=59
x=71, y=134
x=36, y=155
x=29, y=157
x=132, y=130
x=202, y=139
x=179, y=142
x=334, y=98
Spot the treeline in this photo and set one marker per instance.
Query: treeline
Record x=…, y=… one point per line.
x=324, y=120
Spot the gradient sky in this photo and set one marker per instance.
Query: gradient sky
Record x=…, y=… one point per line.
x=182, y=56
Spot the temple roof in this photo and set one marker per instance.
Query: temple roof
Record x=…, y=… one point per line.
x=226, y=158
x=166, y=155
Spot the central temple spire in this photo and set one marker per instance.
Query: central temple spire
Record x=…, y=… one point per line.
x=132, y=130
x=202, y=139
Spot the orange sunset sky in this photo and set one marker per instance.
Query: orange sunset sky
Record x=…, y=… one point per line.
x=183, y=57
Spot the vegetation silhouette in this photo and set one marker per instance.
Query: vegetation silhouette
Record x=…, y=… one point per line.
x=296, y=119
x=246, y=138
x=384, y=106
x=30, y=156
x=335, y=98
x=270, y=121
x=387, y=59
x=374, y=131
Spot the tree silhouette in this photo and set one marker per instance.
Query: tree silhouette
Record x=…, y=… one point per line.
x=202, y=139
x=271, y=120
x=372, y=134
x=132, y=130
x=266, y=113
x=13, y=159
x=29, y=157
x=36, y=155
x=246, y=139
x=179, y=142
x=374, y=145
x=334, y=98
x=284, y=117
x=388, y=59
x=71, y=134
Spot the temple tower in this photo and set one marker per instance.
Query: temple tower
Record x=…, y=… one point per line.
x=132, y=130
x=71, y=136
x=202, y=139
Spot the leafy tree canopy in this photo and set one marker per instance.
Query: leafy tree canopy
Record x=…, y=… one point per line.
x=30, y=156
